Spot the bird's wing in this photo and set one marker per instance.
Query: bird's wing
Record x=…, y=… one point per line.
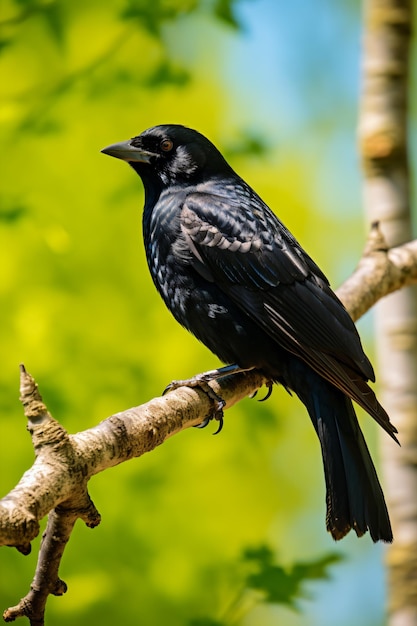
x=248, y=253
x=253, y=258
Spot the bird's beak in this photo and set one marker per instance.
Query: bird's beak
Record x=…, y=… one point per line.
x=125, y=151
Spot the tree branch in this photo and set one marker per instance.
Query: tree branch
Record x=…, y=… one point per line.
x=380, y=272
x=57, y=482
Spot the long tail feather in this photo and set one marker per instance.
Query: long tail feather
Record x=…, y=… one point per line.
x=354, y=495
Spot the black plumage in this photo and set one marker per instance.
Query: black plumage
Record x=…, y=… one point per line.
x=232, y=274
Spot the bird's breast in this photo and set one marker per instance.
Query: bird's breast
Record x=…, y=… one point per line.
x=165, y=247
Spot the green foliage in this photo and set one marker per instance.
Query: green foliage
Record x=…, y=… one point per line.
x=270, y=583
x=78, y=308
x=167, y=73
x=249, y=143
x=152, y=15
x=223, y=9
x=284, y=585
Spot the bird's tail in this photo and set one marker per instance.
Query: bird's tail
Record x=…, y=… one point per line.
x=353, y=494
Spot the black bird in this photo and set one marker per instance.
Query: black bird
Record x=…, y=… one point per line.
x=233, y=275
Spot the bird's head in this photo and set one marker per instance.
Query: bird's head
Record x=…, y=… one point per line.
x=170, y=154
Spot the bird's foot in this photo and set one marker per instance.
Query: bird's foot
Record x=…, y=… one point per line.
x=202, y=381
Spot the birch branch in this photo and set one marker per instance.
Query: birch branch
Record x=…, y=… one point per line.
x=380, y=271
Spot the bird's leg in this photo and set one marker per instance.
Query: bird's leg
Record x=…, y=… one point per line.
x=202, y=381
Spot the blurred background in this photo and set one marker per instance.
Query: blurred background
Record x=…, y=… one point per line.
x=204, y=530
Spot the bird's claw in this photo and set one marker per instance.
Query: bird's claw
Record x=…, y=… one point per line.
x=203, y=383
x=207, y=420
x=269, y=385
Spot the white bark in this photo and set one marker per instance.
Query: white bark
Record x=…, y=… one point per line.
x=383, y=136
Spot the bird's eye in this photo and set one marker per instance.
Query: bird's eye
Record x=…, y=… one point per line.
x=166, y=145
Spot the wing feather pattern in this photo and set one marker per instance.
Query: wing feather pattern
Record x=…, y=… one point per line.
x=256, y=261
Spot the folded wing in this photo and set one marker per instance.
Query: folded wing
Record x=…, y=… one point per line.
x=256, y=261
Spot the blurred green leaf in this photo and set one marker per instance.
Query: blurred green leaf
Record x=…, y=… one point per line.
x=284, y=585
x=224, y=10
x=12, y=212
x=168, y=74
x=249, y=143
x=4, y=43
x=54, y=18
x=152, y=15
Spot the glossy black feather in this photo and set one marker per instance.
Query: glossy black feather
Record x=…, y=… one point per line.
x=233, y=275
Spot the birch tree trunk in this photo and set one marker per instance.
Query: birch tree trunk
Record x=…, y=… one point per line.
x=383, y=139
